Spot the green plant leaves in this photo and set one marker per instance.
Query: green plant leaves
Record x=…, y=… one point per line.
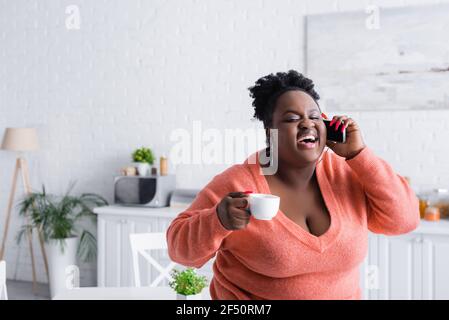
x=56, y=218
x=187, y=282
x=143, y=155
x=87, y=249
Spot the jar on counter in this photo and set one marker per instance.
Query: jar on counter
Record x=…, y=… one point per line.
x=439, y=198
x=163, y=165
x=423, y=204
x=432, y=214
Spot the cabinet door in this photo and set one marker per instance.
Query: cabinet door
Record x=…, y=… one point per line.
x=369, y=270
x=435, y=267
x=101, y=252
x=400, y=267
x=109, y=251
x=126, y=271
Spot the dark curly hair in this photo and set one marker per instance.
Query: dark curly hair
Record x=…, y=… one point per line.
x=268, y=88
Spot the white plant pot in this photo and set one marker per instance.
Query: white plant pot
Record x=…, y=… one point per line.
x=58, y=261
x=143, y=168
x=190, y=297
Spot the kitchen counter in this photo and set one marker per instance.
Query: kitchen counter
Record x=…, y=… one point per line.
x=140, y=211
x=428, y=227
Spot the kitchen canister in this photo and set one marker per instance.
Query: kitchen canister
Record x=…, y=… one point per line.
x=163, y=167
x=440, y=198
x=432, y=214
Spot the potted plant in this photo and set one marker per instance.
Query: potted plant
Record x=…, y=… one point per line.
x=187, y=284
x=144, y=159
x=57, y=219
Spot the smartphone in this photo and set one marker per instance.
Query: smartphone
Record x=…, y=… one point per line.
x=334, y=135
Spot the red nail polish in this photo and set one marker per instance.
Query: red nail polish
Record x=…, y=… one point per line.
x=332, y=122
x=247, y=191
x=324, y=115
x=337, y=125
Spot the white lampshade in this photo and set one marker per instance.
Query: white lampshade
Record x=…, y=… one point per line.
x=20, y=139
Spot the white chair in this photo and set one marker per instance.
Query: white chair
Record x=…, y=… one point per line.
x=141, y=243
x=3, y=292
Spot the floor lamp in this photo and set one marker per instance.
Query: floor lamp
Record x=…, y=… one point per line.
x=20, y=140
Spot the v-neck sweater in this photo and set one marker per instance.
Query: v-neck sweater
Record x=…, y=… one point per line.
x=278, y=259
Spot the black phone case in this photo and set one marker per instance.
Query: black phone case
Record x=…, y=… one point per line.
x=334, y=135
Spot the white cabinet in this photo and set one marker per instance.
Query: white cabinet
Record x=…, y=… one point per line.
x=435, y=267
x=412, y=266
x=115, y=224
x=398, y=260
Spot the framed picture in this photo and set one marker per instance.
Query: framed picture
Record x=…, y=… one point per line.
x=380, y=59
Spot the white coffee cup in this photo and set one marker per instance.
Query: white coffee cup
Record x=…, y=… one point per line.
x=263, y=206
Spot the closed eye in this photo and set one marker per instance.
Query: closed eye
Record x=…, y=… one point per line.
x=297, y=119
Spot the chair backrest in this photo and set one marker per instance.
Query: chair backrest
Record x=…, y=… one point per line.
x=141, y=243
x=3, y=291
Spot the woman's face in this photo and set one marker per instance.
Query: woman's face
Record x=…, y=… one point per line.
x=297, y=116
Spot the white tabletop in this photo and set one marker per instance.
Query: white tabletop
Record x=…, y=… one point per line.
x=117, y=293
x=122, y=293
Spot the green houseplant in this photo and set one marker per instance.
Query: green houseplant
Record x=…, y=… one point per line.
x=144, y=158
x=187, y=284
x=58, y=219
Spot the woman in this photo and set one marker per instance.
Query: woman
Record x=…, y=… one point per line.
x=314, y=246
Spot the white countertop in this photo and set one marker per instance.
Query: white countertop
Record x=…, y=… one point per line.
x=428, y=227
x=431, y=227
x=140, y=211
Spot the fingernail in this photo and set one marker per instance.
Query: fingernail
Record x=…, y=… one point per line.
x=247, y=192
x=337, y=125
x=332, y=122
x=323, y=115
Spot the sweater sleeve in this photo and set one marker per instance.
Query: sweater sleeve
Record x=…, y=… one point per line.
x=196, y=234
x=392, y=206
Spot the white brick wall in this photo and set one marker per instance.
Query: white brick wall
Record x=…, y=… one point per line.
x=135, y=71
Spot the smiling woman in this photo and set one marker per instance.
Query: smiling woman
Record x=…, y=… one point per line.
x=313, y=247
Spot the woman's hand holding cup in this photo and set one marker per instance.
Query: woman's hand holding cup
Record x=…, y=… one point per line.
x=235, y=210
x=232, y=211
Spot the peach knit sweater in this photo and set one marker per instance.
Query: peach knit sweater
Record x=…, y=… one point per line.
x=278, y=259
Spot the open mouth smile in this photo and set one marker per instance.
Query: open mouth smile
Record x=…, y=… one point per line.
x=308, y=141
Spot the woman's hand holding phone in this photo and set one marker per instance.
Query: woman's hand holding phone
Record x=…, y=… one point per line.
x=353, y=143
